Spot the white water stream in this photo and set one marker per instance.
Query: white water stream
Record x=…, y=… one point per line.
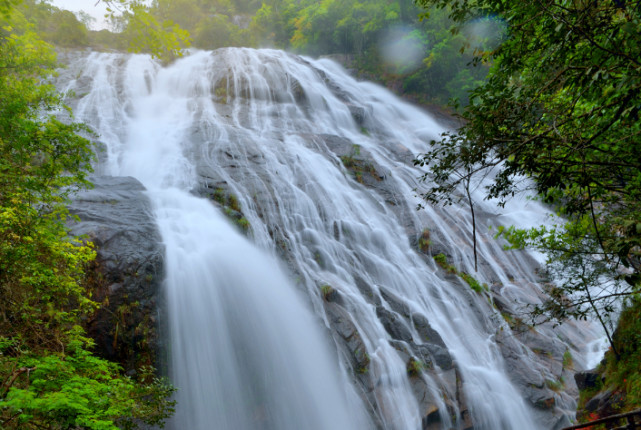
x=248, y=347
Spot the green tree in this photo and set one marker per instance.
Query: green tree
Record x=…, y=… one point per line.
x=216, y=31
x=48, y=379
x=68, y=30
x=145, y=32
x=561, y=106
x=447, y=72
x=270, y=24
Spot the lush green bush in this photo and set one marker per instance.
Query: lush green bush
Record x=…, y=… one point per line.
x=74, y=389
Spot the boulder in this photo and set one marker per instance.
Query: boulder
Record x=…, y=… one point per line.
x=394, y=325
x=587, y=379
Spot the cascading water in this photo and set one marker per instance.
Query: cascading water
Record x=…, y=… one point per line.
x=319, y=166
x=246, y=352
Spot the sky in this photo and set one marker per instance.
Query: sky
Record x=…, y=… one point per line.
x=96, y=10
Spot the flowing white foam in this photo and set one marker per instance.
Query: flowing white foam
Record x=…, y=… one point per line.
x=272, y=128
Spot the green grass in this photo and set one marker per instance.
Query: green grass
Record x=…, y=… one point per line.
x=568, y=361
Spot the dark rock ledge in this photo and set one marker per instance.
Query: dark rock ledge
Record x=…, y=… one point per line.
x=127, y=274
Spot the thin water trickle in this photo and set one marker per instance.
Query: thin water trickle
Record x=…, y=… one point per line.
x=321, y=168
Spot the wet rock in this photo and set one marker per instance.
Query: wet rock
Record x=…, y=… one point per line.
x=393, y=324
x=358, y=113
x=331, y=295
x=366, y=290
x=351, y=346
x=299, y=93
x=337, y=144
x=543, y=399
x=605, y=403
x=464, y=411
x=430, y=415
x=341, y=322
x=436, y=353
x=587, y=379
x=426, y=332
x=338, y=92
x=455, y=404
x=126, y=277
x=395, y=302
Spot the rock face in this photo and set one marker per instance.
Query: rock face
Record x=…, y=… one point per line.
x=127, y=273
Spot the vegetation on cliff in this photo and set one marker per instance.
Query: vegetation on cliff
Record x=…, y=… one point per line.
x=48, y=376
x=615, y=385
x=561, y=105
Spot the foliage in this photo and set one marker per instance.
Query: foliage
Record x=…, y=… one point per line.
x=622, y=372
x=42, y=162
x=618, y=375
x=143, y=31
x=367, y=30
x=362, y=31
x=212, y=24
x=475, y=285
x=561, y=105
x=424, y=241
x=568, y=360
x=447, y=73
x=75, y=389
x=326, y=291
x=138, y=29
x=59, y=27
x=48, y=379
x=415, y=367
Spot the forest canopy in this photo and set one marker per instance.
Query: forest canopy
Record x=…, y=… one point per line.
x=418, y=53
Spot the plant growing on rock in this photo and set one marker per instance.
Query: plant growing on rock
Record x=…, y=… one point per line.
x=231, y=208
x=363, y=359
x=568, y=361
x=414, y=367
x=473, y=282
x=555, y=385
x=326, y=291
x=358, y=166
x=424, y=241
x=619, y=375
x=441, y=260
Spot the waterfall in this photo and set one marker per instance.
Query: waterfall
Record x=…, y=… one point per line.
x=323, y=308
